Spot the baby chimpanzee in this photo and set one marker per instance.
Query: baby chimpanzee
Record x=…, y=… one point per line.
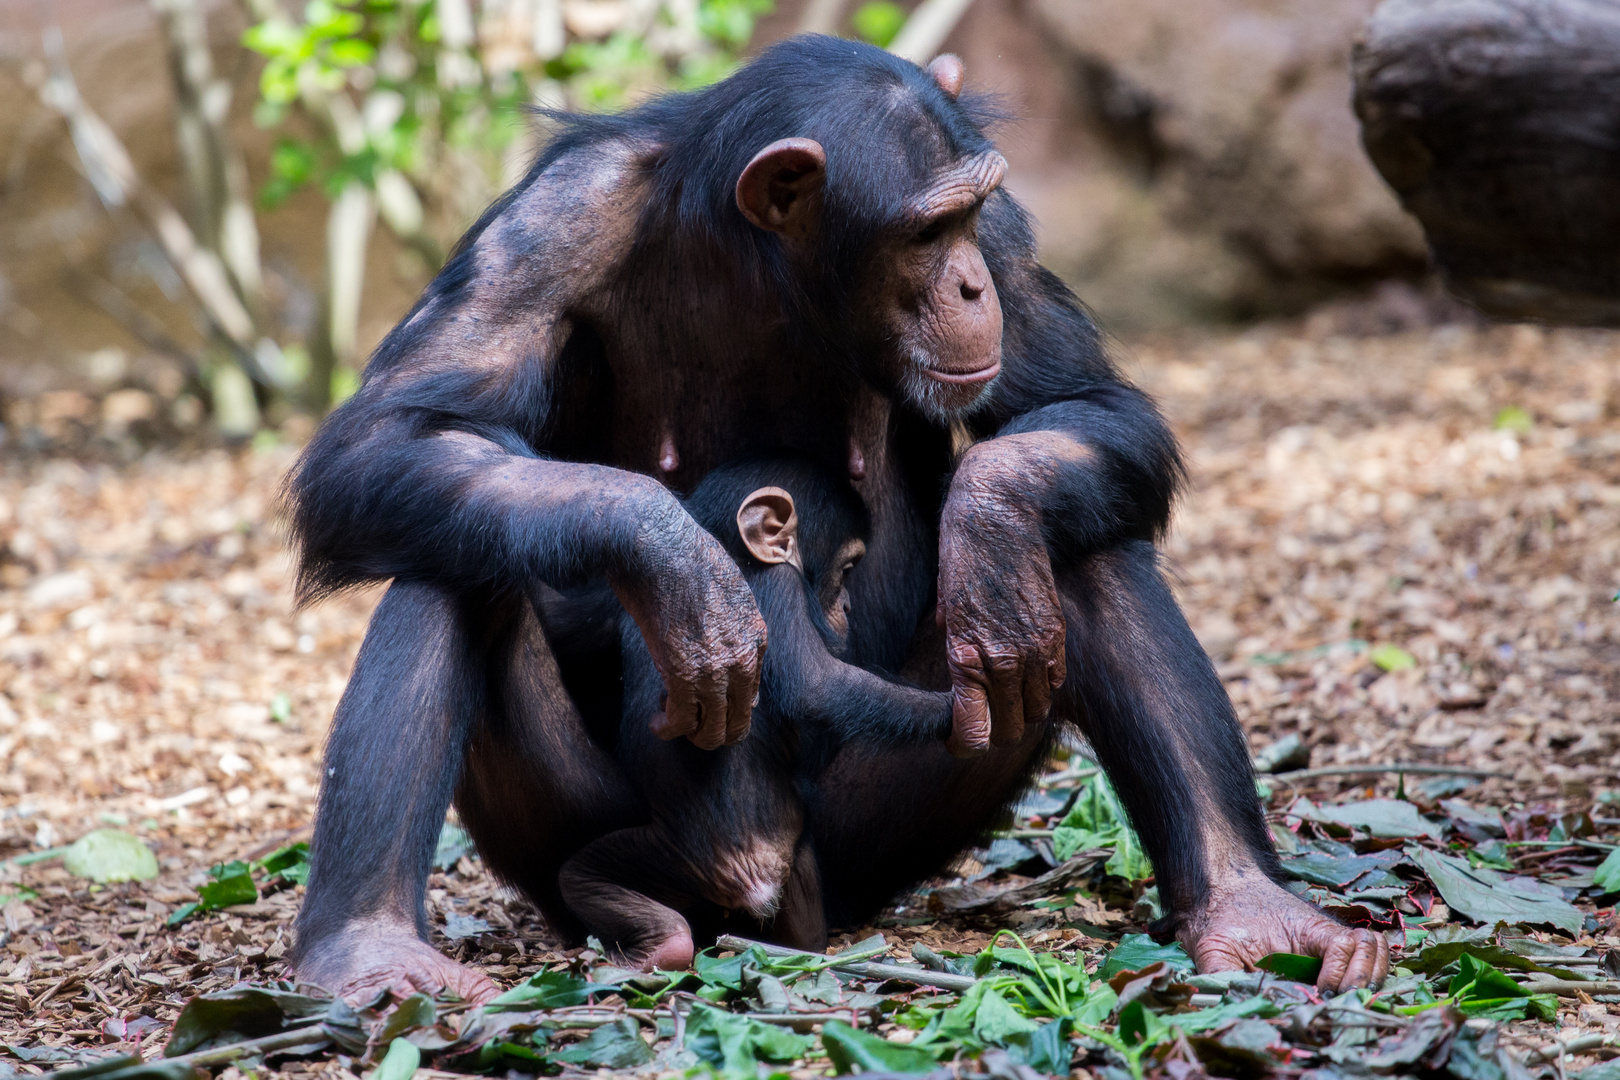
x=727, y=824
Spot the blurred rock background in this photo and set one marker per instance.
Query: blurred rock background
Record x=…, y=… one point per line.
x=1187, y=162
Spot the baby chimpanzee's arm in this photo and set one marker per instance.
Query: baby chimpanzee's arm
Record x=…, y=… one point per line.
x=804, y=683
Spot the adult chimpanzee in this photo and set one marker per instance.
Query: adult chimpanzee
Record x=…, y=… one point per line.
x=813, y=254
x=725, y=829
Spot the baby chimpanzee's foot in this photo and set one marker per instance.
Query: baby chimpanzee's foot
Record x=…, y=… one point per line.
x=1250, y=917
x=359, y=964
x=672, y=953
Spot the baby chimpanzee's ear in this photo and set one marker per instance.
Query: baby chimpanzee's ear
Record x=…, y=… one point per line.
x=770, y=527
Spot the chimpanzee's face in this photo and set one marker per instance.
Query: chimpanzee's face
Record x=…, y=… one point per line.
x=832, y=590
x=936, y=319
x=926, y=316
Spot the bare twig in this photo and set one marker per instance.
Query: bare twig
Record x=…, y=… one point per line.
x=1578, y=1045
x=918, y=975
x=1396, y=767
x=1569, y=987
x=927, y=28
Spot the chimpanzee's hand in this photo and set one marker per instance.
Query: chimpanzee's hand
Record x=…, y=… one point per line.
x=700, y=622
x=997, y=601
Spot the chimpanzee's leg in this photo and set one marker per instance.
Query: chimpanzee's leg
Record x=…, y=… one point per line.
x=392, y=759
x=1146, y=695
x=629, y=889
x=536, y=787
x=801, y=921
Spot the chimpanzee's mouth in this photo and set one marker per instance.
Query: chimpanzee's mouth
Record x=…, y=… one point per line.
x=984, y=374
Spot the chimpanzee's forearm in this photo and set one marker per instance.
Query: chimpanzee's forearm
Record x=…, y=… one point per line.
x=1108, y=472
x=805, y=683
x=380, y=496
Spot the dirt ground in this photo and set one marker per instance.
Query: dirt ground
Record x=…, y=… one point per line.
x=1453, y=491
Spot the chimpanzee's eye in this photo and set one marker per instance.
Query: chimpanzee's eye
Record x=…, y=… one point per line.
x=931, y=232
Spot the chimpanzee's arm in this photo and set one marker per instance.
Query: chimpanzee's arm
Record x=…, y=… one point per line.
x=1073, y=460
x=805, y=683
x=431, y=471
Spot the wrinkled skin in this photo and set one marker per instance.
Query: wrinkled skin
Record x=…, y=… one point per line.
x=1001, y=611
x=1249, y=918
x=702, y=627
x=998, y=602
x=398, y=961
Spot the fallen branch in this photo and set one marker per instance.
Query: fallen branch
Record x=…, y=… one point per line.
x=1578, y=1045
x=313, y=1037
x=917, y=975
x=1569, y=987
x=1397, y=767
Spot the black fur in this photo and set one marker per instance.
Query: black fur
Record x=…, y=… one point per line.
x=764, y=351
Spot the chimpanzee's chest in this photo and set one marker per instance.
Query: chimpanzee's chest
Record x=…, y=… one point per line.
x=677, y=415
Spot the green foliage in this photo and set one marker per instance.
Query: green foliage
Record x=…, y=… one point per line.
x=233, y=882
x=1478, y=989
x=1387, y=657
x=1302, y=969
x=546, y=990
x=387, y=93
x=849, y=1049
x=734, y=1045
x=400, y=1063
x=1514, y=418
x=618, y=1045
x=1607, y=876
x=1098, y=821
x=108, y=855
x=878, y=22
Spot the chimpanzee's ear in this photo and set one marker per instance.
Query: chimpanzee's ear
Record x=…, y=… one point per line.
x=780, y=189
x=770, y=527
x=947, y=70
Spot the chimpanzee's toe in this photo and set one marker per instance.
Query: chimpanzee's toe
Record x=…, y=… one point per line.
x=1244, y=923
x=358, y=969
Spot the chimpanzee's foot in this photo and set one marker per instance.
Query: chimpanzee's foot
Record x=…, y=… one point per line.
x=671, y=953
x=358, y=966
x=1251, y=917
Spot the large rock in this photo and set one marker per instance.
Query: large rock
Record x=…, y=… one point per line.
x=1234, y=116
x=1498, y=121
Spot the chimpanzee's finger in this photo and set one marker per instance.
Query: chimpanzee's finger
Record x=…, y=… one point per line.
x=1037, y=692
x=712, y=713
x=1006, y=675
x=742, y=691
x=1336, y=957
x=970, y=707
x=1364, y=964
x=680, y=715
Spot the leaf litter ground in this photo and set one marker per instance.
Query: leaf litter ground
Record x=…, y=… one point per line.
x=1398, y=549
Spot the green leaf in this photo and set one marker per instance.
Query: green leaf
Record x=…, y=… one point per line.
x=878, y=22
x=232, y=884
x=1136, y=951
x=734, y=1044
x=618, y=1045
x=995, y=1022
x=725, y=972
x=1478, y=989
x=400, y=1063
x=1514, y=418
x=1488, y=897
x=244, y=1013
x=1606, y=878
x=1389, y=657
x=181, y=914
x=850, y=1049
x=291, y=862
x=1048, y=1050
x=546, y=990
x=1301, y=969
x=1098, y=821
x=1390, y=819
x=110, y=855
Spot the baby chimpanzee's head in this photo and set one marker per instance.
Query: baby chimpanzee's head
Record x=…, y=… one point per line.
x=784, y=507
